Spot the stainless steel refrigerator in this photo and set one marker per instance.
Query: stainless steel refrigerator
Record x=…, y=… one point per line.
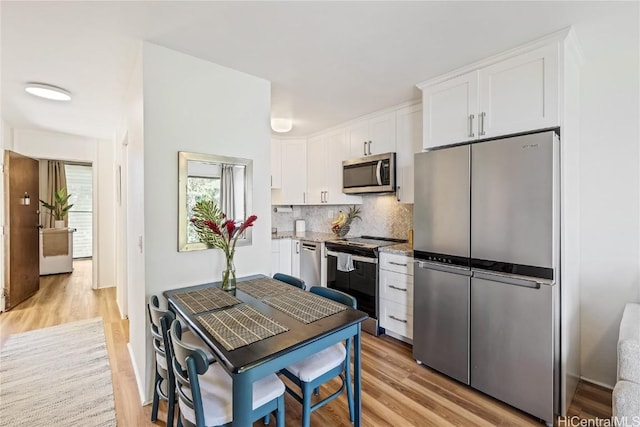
x=486, y=242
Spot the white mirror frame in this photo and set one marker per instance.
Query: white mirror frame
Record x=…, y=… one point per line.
x=183, y=161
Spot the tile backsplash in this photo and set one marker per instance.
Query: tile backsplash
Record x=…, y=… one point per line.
x=382, y=216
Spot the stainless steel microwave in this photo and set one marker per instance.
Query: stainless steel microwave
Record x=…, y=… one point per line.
x=370, y=174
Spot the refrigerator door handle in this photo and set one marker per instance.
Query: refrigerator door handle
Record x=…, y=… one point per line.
x=444, y=268
x=507, y=280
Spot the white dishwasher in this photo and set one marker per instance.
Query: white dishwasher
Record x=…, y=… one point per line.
x=310, y=262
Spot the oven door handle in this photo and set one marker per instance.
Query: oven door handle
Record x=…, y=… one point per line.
x=355, y=257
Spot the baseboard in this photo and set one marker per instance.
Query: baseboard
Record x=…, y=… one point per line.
x=589, y=380
x=398, y=337
x=139, y=380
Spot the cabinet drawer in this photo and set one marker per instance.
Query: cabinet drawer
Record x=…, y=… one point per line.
x=396, y=318
x=398, y=263
x=396, y=287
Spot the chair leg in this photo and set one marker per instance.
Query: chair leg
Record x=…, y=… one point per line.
x=171, y=404
x=316, y=391
x=280, y=411
x=156, y=398
x=348, y=384
x=306, y=404
x=266, y=420
x=179, y=421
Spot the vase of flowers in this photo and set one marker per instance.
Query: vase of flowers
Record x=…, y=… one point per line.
x=215, y=230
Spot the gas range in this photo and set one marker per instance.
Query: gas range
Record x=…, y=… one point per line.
x=365, y=246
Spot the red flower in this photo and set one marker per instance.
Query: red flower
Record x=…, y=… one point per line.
x=213, y=226
x=231, y=227
x=248, y=223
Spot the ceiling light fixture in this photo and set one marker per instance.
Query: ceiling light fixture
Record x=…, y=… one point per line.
x=281, y=125
x=43, y=90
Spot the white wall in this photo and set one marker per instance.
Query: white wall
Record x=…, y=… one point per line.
x=194, y=105
x=131, y=223
x=610, y=189
x=51, y=145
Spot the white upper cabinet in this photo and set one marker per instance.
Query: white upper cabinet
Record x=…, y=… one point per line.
x=450, y=110
x=516, y=93
x=276, y=165
x=520, y=94
x=337, y=151
x=293, y=190
x=317, y=173
x=409, y=142
x=371, y=136
x=325, y=154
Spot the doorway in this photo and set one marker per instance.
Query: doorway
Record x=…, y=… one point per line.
x=79, y=181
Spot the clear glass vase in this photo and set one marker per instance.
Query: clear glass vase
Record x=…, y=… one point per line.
x=229, y=276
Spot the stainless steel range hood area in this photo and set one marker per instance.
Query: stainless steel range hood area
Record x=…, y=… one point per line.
x=370, y=174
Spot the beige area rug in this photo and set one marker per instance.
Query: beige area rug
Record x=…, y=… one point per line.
x=57, y=376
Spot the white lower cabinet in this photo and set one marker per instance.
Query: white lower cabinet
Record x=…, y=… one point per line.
x=281, y=256
x=396, y=294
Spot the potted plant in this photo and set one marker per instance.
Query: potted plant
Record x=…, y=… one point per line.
x=60, y=207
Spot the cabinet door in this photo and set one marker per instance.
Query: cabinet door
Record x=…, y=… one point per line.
x=357, y=139
x=409, y=142
x=450, y=111
x=382, y=134
x=520, y=94
x=317, y=174
x=284, y=252
x=275, y=256
x=276, y=166
x=337, y=150
x=294, y=173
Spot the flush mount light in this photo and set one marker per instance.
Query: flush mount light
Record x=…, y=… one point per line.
x=281, y=125
x=48, y=91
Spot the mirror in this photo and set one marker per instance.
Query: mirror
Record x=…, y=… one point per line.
x=226, y=180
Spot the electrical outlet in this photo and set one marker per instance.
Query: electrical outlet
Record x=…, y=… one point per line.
x=330, y=214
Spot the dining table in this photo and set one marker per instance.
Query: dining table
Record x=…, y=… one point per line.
x=262, y=327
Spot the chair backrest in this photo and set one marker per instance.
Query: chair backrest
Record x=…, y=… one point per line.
x=188, y=362
x=335, y=295
x=290, y=280
x=159, y=328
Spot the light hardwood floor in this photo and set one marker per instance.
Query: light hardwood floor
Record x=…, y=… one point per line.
x=396, y=391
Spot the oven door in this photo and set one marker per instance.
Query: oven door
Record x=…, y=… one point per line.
x=361, y=283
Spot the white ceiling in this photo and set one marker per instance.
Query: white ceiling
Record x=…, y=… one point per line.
x=328, y=62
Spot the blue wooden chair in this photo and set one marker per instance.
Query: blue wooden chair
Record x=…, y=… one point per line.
x=290, y=280
x=164, y=382
x=205, y=391
x=310, y=373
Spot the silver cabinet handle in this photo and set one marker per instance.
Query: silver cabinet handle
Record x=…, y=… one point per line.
x=471, y=117
x=397, y=320
x=369, y=144
x=326, y=197
x=397, y=263
x=298, y=247
x=364, y=147
x=397, y=288
x=398, y=193
x=304, y=197
x=482, y=116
